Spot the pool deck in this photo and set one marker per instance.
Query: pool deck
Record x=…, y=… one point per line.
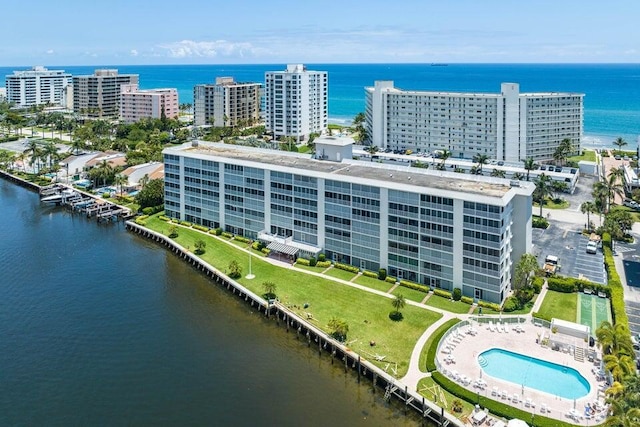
x=465, y=354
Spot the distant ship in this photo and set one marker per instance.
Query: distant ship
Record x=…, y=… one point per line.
x=438, y=64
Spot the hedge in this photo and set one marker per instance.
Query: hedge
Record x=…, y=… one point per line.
x=467, y=300
x=442, y=293
x=186, y=223
x=497, y=408
x=346, y=267
x=435, y=339
x=266, y=251
x=164, y=218
x=569, y=285
x=323, y=264
x=417, y=287
x=302, y=261
x=227, y=234
x=537, y=284
x=241, y=239
x=615, y=285
x=390, y=279
x=200, y=227
x=489, y=305
x=370, y=274
x=140, y=220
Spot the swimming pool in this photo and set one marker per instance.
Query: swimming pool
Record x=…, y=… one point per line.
x=534, y=373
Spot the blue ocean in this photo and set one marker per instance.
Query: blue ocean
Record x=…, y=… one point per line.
x=611, y=104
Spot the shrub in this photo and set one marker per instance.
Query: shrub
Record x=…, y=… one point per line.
x=323, y=264
x=303, y=261
x=140, y=220
x=489, y=305
x=537, y=283
x=186, y=223
x=217, y=231
x=107, y=195
x=322, y=257
x=615, y=285
x=411, y=285
x=467, y=300
x=200, y=227
x=312, y=261
x=257, y=245
x=265, y=251
x=442, y=293
x=241, y=239
x=346, y=267
x=164, y=218
x=457, y=294
x=370, y=274
x=382, y=274
x=537, y=222
x=511, y=304
x=147, y=211
x=227, y=234
x=390, y=279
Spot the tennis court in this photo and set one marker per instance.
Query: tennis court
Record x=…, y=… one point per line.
x=593, y=310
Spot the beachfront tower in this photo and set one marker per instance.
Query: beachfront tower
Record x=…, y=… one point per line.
x=509, y=126
x=226, y=103
x=296, y=102
x=136, y=104
x=98, y=95
x=37, y=86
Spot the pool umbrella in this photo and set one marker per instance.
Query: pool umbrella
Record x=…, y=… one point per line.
x=517, y=423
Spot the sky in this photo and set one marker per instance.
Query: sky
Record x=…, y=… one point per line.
x=132, y=32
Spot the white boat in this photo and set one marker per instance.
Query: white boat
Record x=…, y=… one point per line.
x=58, y=198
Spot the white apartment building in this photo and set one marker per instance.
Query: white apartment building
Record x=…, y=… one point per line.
x=98, y=95
x=441, y=229
x=37, y=86
x=508, y=126
x=296, y=102
x=136, y=104
x=226, y=103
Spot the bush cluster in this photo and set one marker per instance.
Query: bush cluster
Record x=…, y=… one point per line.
x=303, y=261
x=569, y=285
x=258, y=245
x=467, y=300
x=511, y=304
x=164, y=218
x=489, y=305
x=457, y=294
x=382, y=274
x=313, y=261
x=265, y=251
x=186, y=223
x=322, y=257
x=241, y=239
x=417, y=287
x=615, y=285
x=226, y=234
x=346, y=267
x=442, y=293
x=390, y=279
x=537, y=222
x=371, y=274
x=200, y=227
x=140, y=220
x=323, y=264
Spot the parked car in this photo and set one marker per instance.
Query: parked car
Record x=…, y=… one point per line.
x=617, y=157
x=592, y=247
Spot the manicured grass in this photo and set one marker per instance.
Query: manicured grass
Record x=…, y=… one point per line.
x=304, y=149
x=409, y=294
x=309, y=268
x=366, y=314
x=373, y=283
x=428, y=352
x=559, y=305
x=427, y=386
x=587, y=155
x=446, y=304
x=550, y=203
x=341, y=274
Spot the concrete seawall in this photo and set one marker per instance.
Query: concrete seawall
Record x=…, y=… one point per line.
x=314, y=337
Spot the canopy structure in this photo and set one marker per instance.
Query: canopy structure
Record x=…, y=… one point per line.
x=283, y=248
x=517, y=423
x=570, y=328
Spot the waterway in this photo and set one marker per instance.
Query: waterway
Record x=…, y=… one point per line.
x=101, y=327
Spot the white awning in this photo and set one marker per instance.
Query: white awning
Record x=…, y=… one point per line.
x=282, y=248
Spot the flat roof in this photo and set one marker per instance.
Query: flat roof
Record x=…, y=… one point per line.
x=389, y=176
x=339, y=141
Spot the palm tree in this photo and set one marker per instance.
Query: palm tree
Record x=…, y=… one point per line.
x=398, y=303
x=443, y=158
x=105, y=171
x=269, y=289
x=614, y=188
x=339, y=328
x=529, y=165
x=621, y=416
x=620, y=365
x=498, y=173
x=77, y=145
x=620, y=142
x=50, y=152
x=542, y=190
x=371, y=149
x=616, y=173
x=614, y=339
x=33, y=151
x=144, y=180
x=480, y=159
x=588, y=208
x=517, y=176
x=120, y=180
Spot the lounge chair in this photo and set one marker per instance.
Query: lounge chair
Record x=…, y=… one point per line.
x=494, y=391
x=506, y=328
x=515, y=398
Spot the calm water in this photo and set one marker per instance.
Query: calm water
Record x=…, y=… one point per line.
x=101, y=327
x=611, y=104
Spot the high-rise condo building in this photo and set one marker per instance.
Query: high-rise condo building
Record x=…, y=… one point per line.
x=226, y=103
x=37, y=86
x=508, y=126
x=441, y=229
x=98, y=95
x=136, y=104
x=296, y=102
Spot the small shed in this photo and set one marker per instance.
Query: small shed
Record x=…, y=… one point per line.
x=570, y=328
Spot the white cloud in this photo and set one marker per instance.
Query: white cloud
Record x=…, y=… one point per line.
x=133, y=52
x=50, y=52
x=210, y=49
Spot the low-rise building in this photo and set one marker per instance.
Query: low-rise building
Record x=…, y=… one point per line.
x=441, y=229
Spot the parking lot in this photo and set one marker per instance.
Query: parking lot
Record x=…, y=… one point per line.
x=570, y=248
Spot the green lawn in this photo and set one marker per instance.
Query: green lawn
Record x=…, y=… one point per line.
x=374, y=283
x=409, y=294
x=559, y=305
x=366, y=314
x=587, y=155
x=550, y=203
x=341, y=274
x=309, y=268
x=447, y=304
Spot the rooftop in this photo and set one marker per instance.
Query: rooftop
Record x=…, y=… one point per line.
x=387, y=175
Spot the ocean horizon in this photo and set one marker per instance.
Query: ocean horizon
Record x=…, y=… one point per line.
x=611, y=102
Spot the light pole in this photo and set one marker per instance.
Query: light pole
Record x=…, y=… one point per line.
x=250, y=275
